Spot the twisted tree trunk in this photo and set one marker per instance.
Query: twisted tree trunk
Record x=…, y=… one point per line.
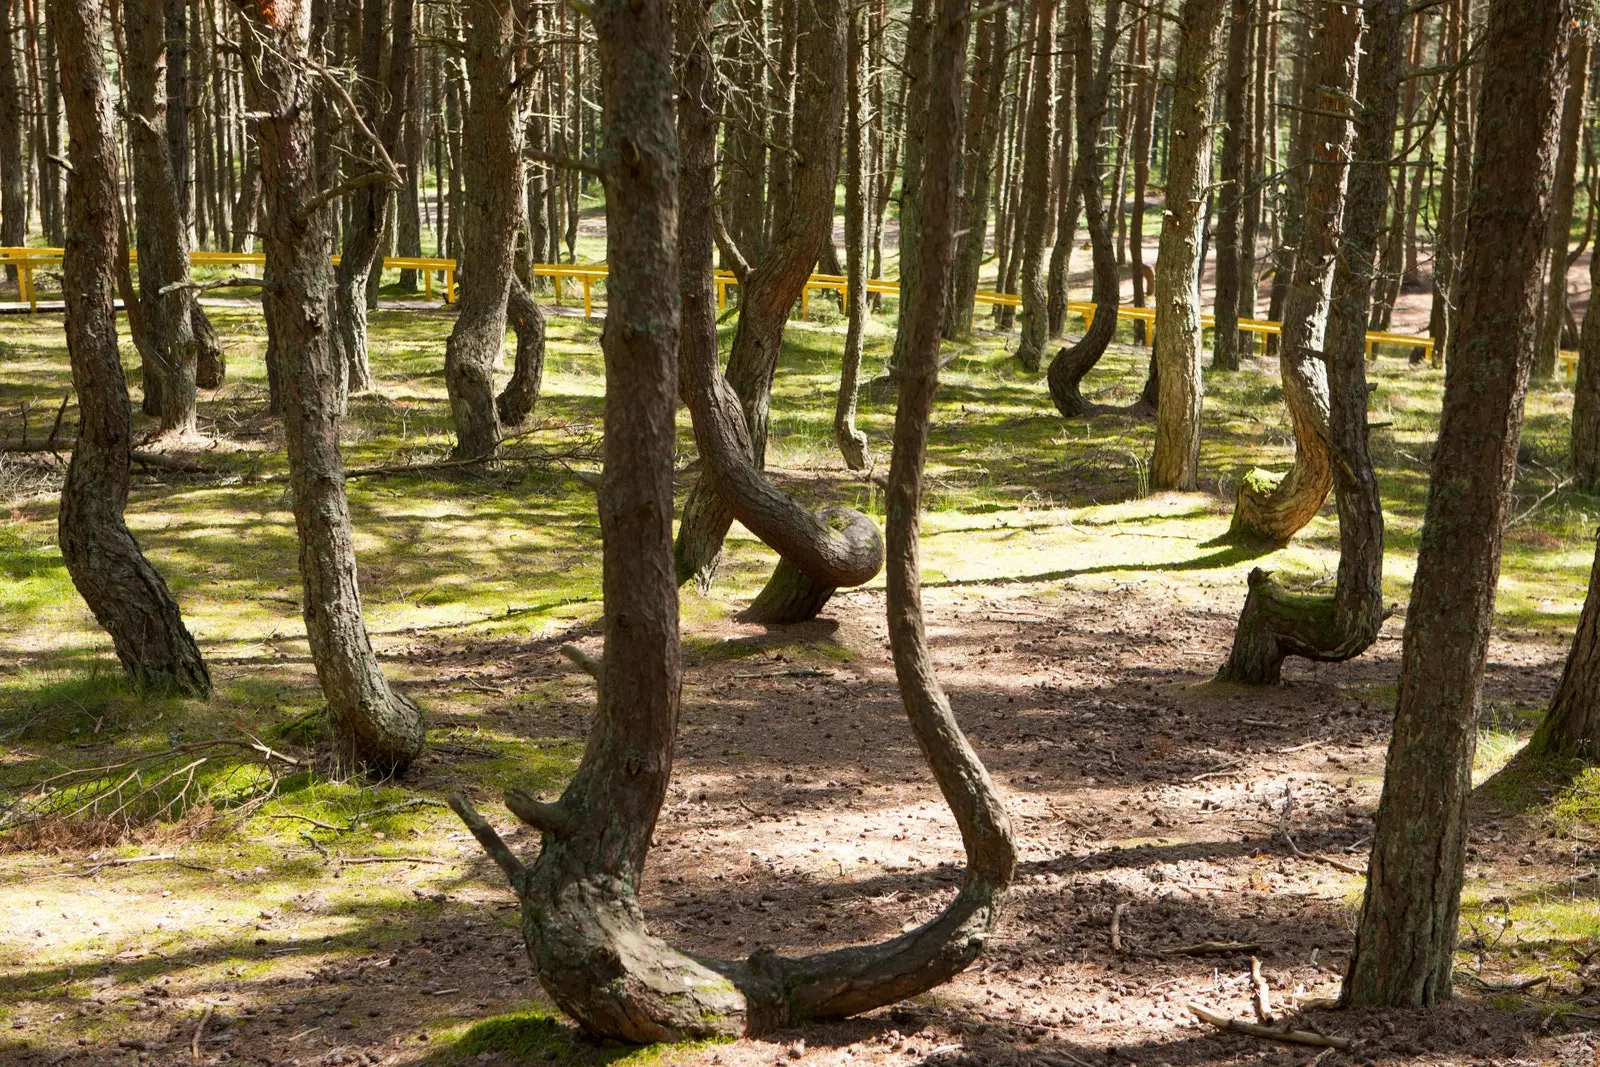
x=1406, y=934
x=1274, y=507
x=126, y=594
x=1275, y=623
x=581, y=916
x=1175, y=463
x=374, y=727
x=1070, y=365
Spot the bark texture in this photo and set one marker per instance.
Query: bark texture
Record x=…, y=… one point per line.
x=581, y=916
x=1037, y=156
x=1553, y=312
x=852, y=442
x=1276, y=623
x=1272, y=507
x=373, y=726
x=126, y=594
x=1175, y=463
x=1235, y=167
x=1406, y=934
x=1571, y=726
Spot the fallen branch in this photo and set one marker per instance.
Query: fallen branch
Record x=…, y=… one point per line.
x=1214, y=948
x=1269, y=1033
x=1348, y=868
x=395, y=859
x=131, y=860
x=1116, y=927
x=1508, y=987
x=200, y=1032
x=1261, y=998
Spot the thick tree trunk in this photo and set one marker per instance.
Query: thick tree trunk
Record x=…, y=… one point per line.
x=1571, y=726
x=1275, y=623
x=516, y=401
x=373, y=726
x=1270, y=507
x=581, y=917
x=167, y=301
x=1235, y=164
x=493, y=171
x=1553, y=312
x=126, y=594
x=1069, y=201
x=852, y=442
x=1037, y=156
x=1406, y=935
x=1175, y=463
x=1070, y=365
x=913, y=117
x=773, y=285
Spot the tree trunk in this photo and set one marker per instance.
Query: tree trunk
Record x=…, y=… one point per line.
x=912, y=153
x=1070, y=365
x=408, y=204
x=1585, y=443
x=1175, y=463
x=1144, y=81
x=1406, y=934
x=493, y=172
x=373, y=726
x=1553, y=313
x=1235, y=164
x=981, y=141
x=1571, y=726
x=13, y=166
x=126, y=594
x=581, y=916
x=771, y=287
x=744, y=172
x=1275, y=623
x=516, y=401
x=1269, y=507
x=1037, y=156
x=166, y=299
x=1069, y=202
x=852, y=442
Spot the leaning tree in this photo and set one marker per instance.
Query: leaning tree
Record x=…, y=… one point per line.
x=581, y=917
x=126, y=594
x=1275, y=622
x=1406, y=934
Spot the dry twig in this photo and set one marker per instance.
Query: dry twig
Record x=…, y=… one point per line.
x=1269, y=1033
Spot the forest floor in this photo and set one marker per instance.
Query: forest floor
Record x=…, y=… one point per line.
x=247, y=911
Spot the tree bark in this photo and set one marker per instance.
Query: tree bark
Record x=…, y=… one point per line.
x=1571, y=725
x=516, y=401
x=1585, y=442
x=1070, y=365
x=581, y=916
x=1235, y=165
x=1553, y=312
x=13, y=165
x=913, y=117
x=1276, y=623
x=1037, y=157
x=374, y=727
x=1175, y=463
x=1069, y=202
x=1270, y=507
x=1406, y=934
x=852, y=442
x=126, y=594
x=981, y=140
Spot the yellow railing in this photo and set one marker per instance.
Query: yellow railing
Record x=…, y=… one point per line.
x=29, y=260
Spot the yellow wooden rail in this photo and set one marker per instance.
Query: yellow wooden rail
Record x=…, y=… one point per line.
x=29, y=260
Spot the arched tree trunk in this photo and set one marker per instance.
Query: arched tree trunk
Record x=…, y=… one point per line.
x=492, y=147
x=373, y=726
x=1271, y=507
x=1070, y=365
x=516, y=401
x=1038, y=150
x=1571, y=726
x=852, y=442
x=375, y=148
x=1235, y=166
x=166, y=299
x=1275, y=623
x=1406, y=933
x=1175, y=463
x=127, y=595
x=581, y=916
x=770, y=288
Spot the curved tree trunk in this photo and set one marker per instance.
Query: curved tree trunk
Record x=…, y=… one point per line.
x=1271, y=507
x=166, y=301
x=126, y=594
x=852, y=442
x=581, y=916
x=1275, y=623
x=516, y=401
x=1070, y=365
x=373, y=726
x=1175, y=463
x=368, y=220
x=492, y=146
x=1038, y=150
x=1406, y=934
x=770, y=289
x=1571, y=726
x=1235, y=166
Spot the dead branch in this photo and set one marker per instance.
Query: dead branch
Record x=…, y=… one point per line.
x=1261, y=998
x=1214, y=948
x=1348, y=868
x=1116, y=926
x=200, y=1032
x=1293, y=1037
x=131, y=860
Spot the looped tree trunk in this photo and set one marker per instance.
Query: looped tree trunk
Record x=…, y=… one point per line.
x=1275, y=623
x=516, y=401
x=581, y=918
x=1070, y=365
x=126, y=594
